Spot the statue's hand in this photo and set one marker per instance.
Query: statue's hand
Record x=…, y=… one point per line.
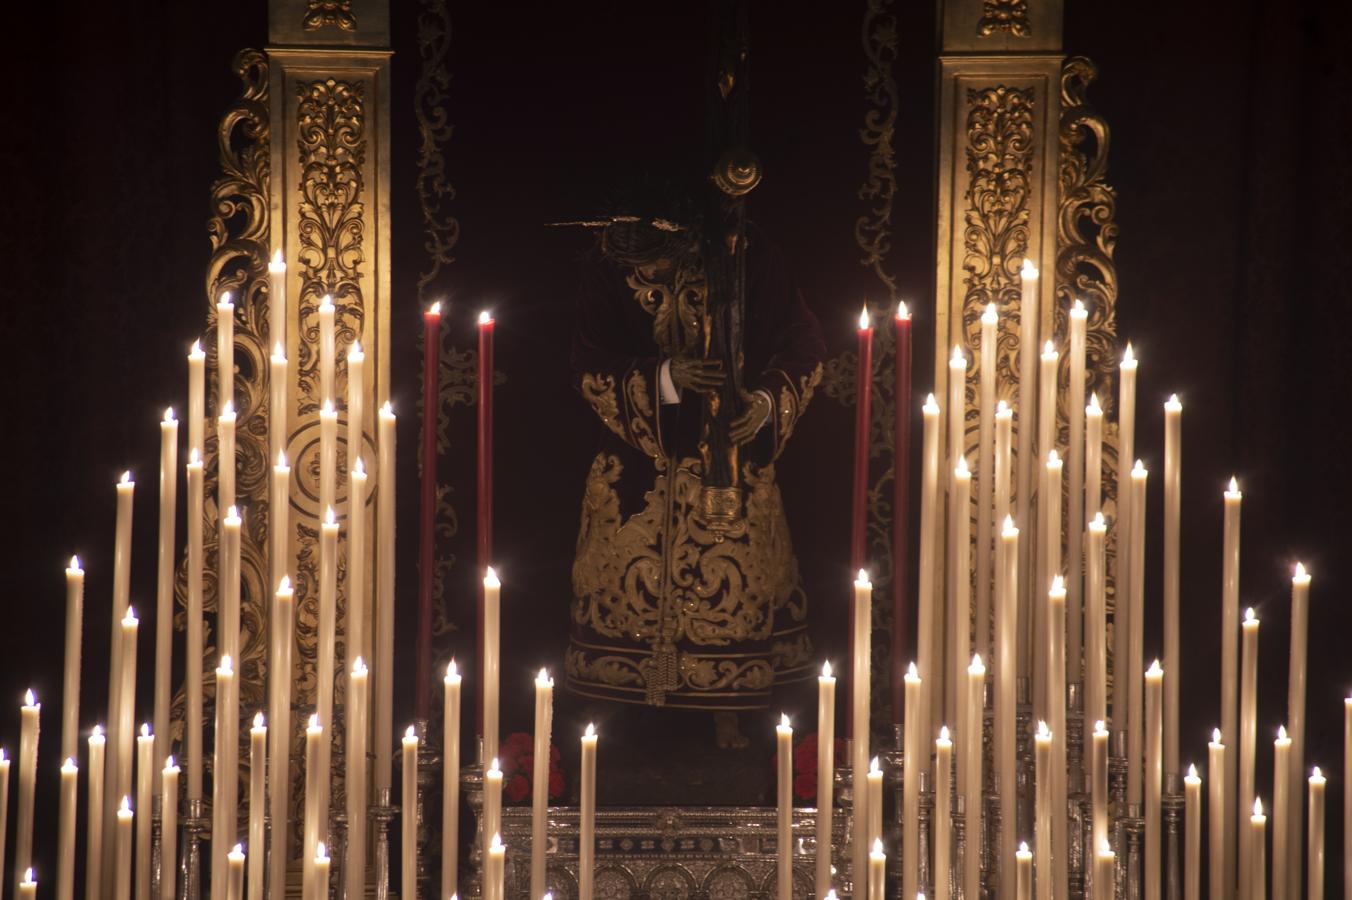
x=756, y=412
x=696, y=374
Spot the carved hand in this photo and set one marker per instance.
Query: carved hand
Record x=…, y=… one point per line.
x=693, y=373
x=755, y=414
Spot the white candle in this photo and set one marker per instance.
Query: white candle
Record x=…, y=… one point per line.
x=65, y=843
x=1248, y=738
x=122, y=850
x=225, y=771
x=328, y=455
x=225, y=351
x=943, y=812
x=4, y=807
x=1104, y=872
x=875, y=801
x=450, y=781
x=279, y=381
x=1281, y=811
x=957, y=407
x=196, y=645
x=1098, y=787
x=227, y=618
x=1126, y=452
x=1136, y=636
x=93, y=811
x=277, y=313
x=1030, y=326
x=355, y=711
x=321, y=867
x=1154, y=776
x=971, y=761
x=234, y=889
x=586, y=850
x=1006, y=663
x=328, y=615
x=495, y=869
x=279, y=754
x=326, y=345
x=877, y=871
x=1093, y=457
x=826, y=745
x=914, y=740
x=258, y=767
x=1042, y=763
x=197, y=361
x=960, y=608
x=70, y=685
x=1218, y=846
x=784, y=806
x=1347, y=797
x=492, y=802
x=544, y=725
x=356, y=561
x=120, y=751
x=929, y=613
x=1315, y=876
x=491, y=665
x=1230, y=672
x=280, y=518
x=1258, y=846
x=314, y=739
x=125, y=735
x=1049, y=563
x=1173, y=451
x=409, y=814
x=1032, y=625
x=384, y=607
x=356, y=395
x=1056, y=707
x=164, y=583
x=1075, y=416
x=940, y=701
x=226, y=458
x=986, y=520
x=145, y=791
x=1023, y=872
x=169, y=829
x=1096, y=623
x=859, y=696
x=1004, y=425
x=1295, y=719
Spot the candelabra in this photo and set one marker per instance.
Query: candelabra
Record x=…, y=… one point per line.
x=155, y=845
x=892, y=761
x=381, y=815
x=429, y=776
x=337, y=848
x=472, y=783
x=1172, y=805
x=195, y=824
x=843, y=793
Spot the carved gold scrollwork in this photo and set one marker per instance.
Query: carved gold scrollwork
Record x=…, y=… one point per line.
x=319, y=13
x=1009, y=16
x=873, y=232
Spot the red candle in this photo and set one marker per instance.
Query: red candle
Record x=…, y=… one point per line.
x=859, y=495
x=901, y=485
x=485, y=493
x=428, y=510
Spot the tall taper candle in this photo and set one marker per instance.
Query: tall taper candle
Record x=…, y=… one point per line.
x=327, y=626
x=1230, y=675
x=826, y=745
x=943, y=812
x=122, y=855
x=356, y=397
x=1173, y=452
x=279, y=511
x=1043, y=559
x=1095, y=623
x=861, y=646
x=279, y=751
x=972, y=761
x=1258, y=847
x=1075, y=459
x=875, y=800
x=784, y=810
x=408, y=814
x=1295, y=718
x=915, y=741
x=1136, y=636
x=1029, y=331
x=544, y=725
x=1023, y=872
x=859, y=485
x=93, y=811
x=279, y=381
x=384, y=607
x=357, y=802
x=450, y=781
x=1098, y=778
x=70, y=685
x=145, y=791
x=586, y=850
x=1217, y=818
x=1347, y=797
x=960, y=609
x=65, y=842
x=164, y=584
x=1315, y=865
x=258, y=767
x=234, y=884
x=491, y=672
x=901, y=504
x=225, y=351
x=277, y=297
x=941, y=699
x=1042, y=767
x=1154, y=776
x=322, y=866
x=1056, y=707
x=327, y=349
x=1049, y=562
x=1281, y=811
x=1093, y=457
x=1126, y=453
x=877, y=871
x=1006, y=673
x=484, y=461
x=197, y=363
x=224, y=772
x=328, y=455
x=227, y=617
x=427, y=512
x=121, y=592
x=125, y=735
x=314, y=740
x=929, y=616
x=1248, y=738
x=495, y=868
x=1105, y=865
x=226, y=457
x=169, y=828
x=492, y=809
x=355, y=580
x=195, y=650
x=1004, y=427
x=986, y=521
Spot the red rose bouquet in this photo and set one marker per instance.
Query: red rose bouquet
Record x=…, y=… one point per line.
x=517, y=761
x=805, y=766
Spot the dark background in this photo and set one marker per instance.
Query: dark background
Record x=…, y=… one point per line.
x=1230, y=131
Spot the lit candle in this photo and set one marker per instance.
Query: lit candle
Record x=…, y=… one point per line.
x=586, y=850
x=93, y=811
x=65, y=844
x=328, y=617
x=957, y=408
x=1049, y=567
x=122, y=845
x=784, y=808
x=1248, y=738
x=145, y=790
x=226, y=457
x=929, y=615
x=1042, y=763
x=861, y=648
x=1295, y=717
x=321, y=867
x=914, y=740
x=1023, y=872
x=1347, y=797
x=314, y=739
x=234, y=886
x=279, y=760
x=169, y=828
x=492, y=618
x=196, y=645
x=356, y=396
x=971, y=761
x=355, y=711
x=1154, y=776
x=941, y=689
x=1258, y=847
x=197, y=361
x=384, y=608
x=258, y=766
x=228, y=617
x=328, y=455
x=125, y=735
x=1192, y=833
x=356, y=561
x=1315, y=877
x=1004, y=428
x=960, y=601
x=1056, y=707
x=1093, y=457
x=943, y=812
x=875, y=800
x=225, y=771
x=1281, y=811
x=450, y=781
x=1126, y=452
x=877, y=871
x=120, y=751
x=1096, y=622
x=901, y=504
x=279, y=381
x=409, y=814
x=492, y=801
x=1136, y=636
x=1098, y=788
x=327, y=351
x=70, y=685
x=986, y=521
x=495, y=870
x=164, y=583
x=279, y=510
x=427, y=512
x=1217, y=766
x=1230, y=673
x=1030, y=326
x=1075, y=415
x=544, y=725
x=1006, y=671
x=277, y=312
x=484, y=460
x=826, y=746
x=1105, y=865
x=1173, y=451
x=225, y=351
x=1046, y=560
x=863, y=392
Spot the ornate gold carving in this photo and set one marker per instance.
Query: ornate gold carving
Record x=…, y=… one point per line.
x=319, y=13
x=599, y=391
x=1009, y=16
x=441, y=230
x=676, y=301
x=873, y=232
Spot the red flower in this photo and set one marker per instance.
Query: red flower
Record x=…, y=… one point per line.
x=556, y=784
x=518, y=787
x=805, y=785
x=805, y=761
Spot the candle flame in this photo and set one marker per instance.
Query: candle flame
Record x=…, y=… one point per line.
x=1100, y=727
x=1234, y=485
x=277, y=261
x=957, y=358
x=1028, y=270
x=1099, y=521
x=411, y=733
x=1105, y=848
x=494, y=769
x=861, y=579
x=1053, y=458
x=169, y=762
x=976, y=666
x=912, y=672
x=145, y=729
x=29, y=699
x=903, y=311
x=98, y=733
x=74, y=564
x=435, y=309
x=1129, y=355
x=359, y=467
x=1301, y=574
x=327, y=409
x=1058, y=585
x=281, y=459
x=784, y=721
x=1049, y=350
x=1192, y=772
x=1249, y=616
x=931, y=405
x=990, y=316
x=314, y=722
x=228, y=411
x=1043, y=731
x=130, y=620
x=1078, y=309
x=1215, y=735
x=227, y=664
x=1138, y=468
x=227, y=301
x=878, y=846
x=355, y=354
x=826, y=673
x=874, y=767
x=1258, y=807
x=1154, y=670
x=70, y=765
x=326, y=303
x=485, y=318
x=943, y=733
x=278, y=352
x=1281, y=733
x=831, y=895
x=125, y=806
x=259, y=721
x=359, y=666
x=491, y=578
x=863, y=318
x=28, y=876
x=387, y=409
x=169, y=414
x=451, y=670
x=1094, y=408
x=126, y=478
x=591, y=730
x=1317, y=775
x=1173, y=404
x=330, y=517
x=194, y=457
x=284, y=585
x=1009, y=529
x=1023, y=847
x=232, y=514
x=543, y=679
x=496, y=843
x=961, y=470
x=1002, y=409
x=196, y=349
x=321, y=853
x=238, y=851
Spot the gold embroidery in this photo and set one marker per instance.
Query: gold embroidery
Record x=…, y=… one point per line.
x=641, y=409
x=599, y=391
x=676, y=303
x=793, y=404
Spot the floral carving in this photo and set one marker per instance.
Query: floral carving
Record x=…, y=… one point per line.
x=319, y=13
x=873, y=231
x=1010, y=16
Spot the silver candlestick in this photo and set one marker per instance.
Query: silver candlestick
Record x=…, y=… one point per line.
x=338, y=854
x=195, y=824
x=472, y=783
x=844, y=801
x=381, y=815
x=1172, y=804
x=960, y=849
x=156, y=824
x=892, y=763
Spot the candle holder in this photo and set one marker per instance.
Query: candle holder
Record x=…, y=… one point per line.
x=1025, y=811
x=337, y=848
x=843, y=788
x=195, y=824
x=1172, y=805
x=381, y=815
x=1075, y=738
x=992, y=870
x=959, y=826
x=472, y=783
x=1134, y=824
x=924, y=871
x=429, y=777
x=1117, y=798
x=1078, y=837
x=155, y=845
x=892, y=762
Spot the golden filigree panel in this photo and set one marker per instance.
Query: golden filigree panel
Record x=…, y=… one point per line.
x=1010, y=16
x=338, y=13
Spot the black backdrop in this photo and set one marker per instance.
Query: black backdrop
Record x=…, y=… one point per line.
x=1230, y=130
